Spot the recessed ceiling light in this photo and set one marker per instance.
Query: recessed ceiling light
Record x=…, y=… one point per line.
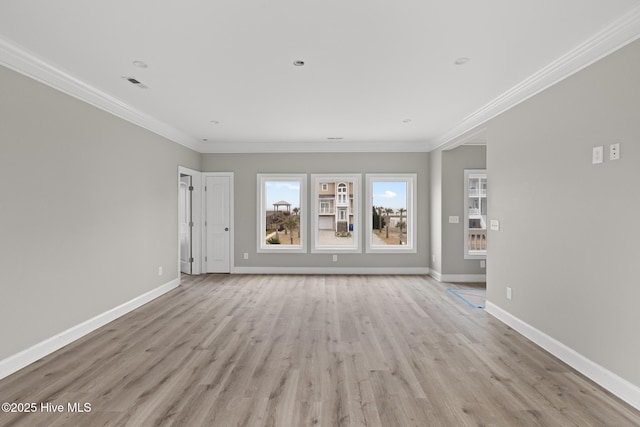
x=204, y=139
x=406, y=121
x=461, y=61
x=215, y=122
x=140, y=64
x=335, y=137
x=298, y=63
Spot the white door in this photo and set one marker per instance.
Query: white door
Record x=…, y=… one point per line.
x=185, y=224
x=217, y=224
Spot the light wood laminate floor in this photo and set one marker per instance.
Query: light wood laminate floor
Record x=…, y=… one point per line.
x=225, y=350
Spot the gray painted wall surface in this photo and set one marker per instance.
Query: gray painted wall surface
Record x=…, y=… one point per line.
x=88, y=211
x=246, y=166
x=454, y=162
x=570, y=232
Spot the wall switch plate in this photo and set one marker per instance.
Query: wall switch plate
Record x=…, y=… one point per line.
x=509, y=293
x=160, y=271
x=597, y=155
x=483, y=264
x=614, y=151
x=246, y=255
x=454, y=220
x=335, y=258
x=433, y=258
x=495, y=225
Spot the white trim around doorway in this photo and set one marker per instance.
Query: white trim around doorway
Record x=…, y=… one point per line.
x=196, y=217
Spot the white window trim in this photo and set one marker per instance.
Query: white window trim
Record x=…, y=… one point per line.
x=465, y=235
x=262, y=245
x=316, y=180
x=411, y=179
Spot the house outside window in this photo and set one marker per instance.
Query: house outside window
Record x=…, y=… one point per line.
x=335, y=218
x=475, y=214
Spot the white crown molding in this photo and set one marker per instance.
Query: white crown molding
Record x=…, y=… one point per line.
x=216, y=147
x=26, y=357
x=477, y=136
x=617, y=385
x=619, y=33
x=332, y=270
x=24, y=62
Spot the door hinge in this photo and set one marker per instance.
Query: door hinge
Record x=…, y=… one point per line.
x=191, y=224
x=191, y=259
x=205, y=258
x=191, y=188
x=205, y=223
x=205, y=188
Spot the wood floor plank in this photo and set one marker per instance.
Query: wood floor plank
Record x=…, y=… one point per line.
x=235, y=350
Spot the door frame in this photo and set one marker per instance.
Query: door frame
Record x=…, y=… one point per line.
x=186, y=205
x=196, y=217
x=232, y=229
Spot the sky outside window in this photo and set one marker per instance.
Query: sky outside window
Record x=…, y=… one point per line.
x=288, y=191
x=390, y=194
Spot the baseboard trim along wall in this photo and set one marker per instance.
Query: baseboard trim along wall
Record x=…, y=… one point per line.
x=622, y=388
x=332, y=270
x=36, y=352
x=461, y=278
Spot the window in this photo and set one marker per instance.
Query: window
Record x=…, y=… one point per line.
x=342, y=193
x=335, y=218
x=281, y=213
x=391, y=213
x=475, y=214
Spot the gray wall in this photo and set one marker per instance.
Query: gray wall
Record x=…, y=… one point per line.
x=246, y=166
x=572, y=225
x=447, y=194
x=88, y=211
x=454, y=162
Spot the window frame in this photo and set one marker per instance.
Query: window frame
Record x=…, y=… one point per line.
x=411, y=180
x=262, y=179
x=316, y=181
x=465, y=236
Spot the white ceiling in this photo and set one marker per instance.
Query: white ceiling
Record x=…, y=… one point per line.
x=369, y=64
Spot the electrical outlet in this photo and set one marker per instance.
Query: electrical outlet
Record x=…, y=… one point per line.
x=335, y=258
x=597, y=155
x=454, y=220
x=614, y=151
x=495, y=225
x=483, y=264
x=160, y=271
x=509, y=293
x=246, y=255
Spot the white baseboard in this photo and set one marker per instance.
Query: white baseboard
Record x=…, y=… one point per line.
x=331, y=270
x=19, y=360
x=622, y=388
x=460, y=278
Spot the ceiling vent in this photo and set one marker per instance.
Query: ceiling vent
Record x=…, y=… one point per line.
x=136, y=82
